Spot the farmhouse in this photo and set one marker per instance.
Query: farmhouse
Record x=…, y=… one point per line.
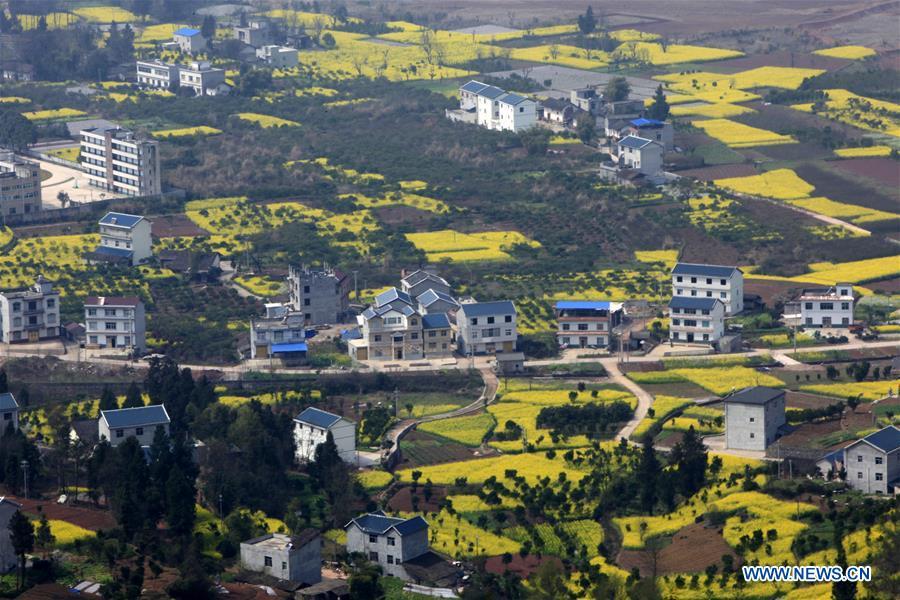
x=255, y=33
x=193, y=265
x=586, y=323
x=123, y=238
x=614, y=116
x=492, y=108
x=157, y=74
x=20, y=185
x=280, y=334
x=311, y=428
x=822, y=307
x=486, y=327
x=420, y=281
x=557, y=110
x=189, y=40
x=278, y=57
x=9, y=408
x=873, y=463
x=117, y=160
x=641, y=155
x=287, y=557
x=660, y=132
x=8, y=558
x=388, y=541
x=390, y=329
x=710, y=281
x=696, y=320
x=141, y=422
x=586, y=99
x=203, y=78
x=115, y=322
x=753, y=417
x=30, y=314
x=321, y=295
x=435, y=302
x=437, y=335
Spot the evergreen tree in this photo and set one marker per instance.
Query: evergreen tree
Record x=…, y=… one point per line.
x=130, y=480
x=648, y=473
x=208, y=27
x=330, y=472
x=659, y=108
x=4, y=382
x=133, y=398
x=689, y=455
x=44, y=536
x=587, y=22
x=841, y=590
x=21, y=535
x=193, y=582
x=365, y=582
x=180, y=508
x=617, y=89
x=108, y=399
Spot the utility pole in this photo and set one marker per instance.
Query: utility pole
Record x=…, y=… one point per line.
x=355, y=286
x=24, y=465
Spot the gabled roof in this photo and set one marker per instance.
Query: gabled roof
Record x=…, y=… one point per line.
x=188, y=31
x=389, y=296
x=633, y=141
x=512, y=99
x=140, y=416
x=115, y=219
x=584, y=305
x=413, y=525
x=483, y=309
x=557, y=104
x=689, y=302
x=758, y=394
x=430, y=296
x=887, y=440
x=418, y=276
x=474, y=87
x=8, y=402
x=491, y=92
x=114, y=252
x=436, y=321
x=704, y=270
x=377, y=523
x=317, y=418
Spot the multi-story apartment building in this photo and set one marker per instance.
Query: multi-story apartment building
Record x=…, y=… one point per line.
x=118, y=161
x=586, y=323
x=157, y=74
x=139, y=422
x=388, y=541
x=872, y=464
x=20, y=185
x=278, y=57
x=753, y=417
x=280, y=334
x=189, y=40
x=123, y=238
x=115, y=322
x=389, y=329
x=710, y=281
x=203, y=78
x=486, y=327
x=824, y=306
x=322, y=296
x=696, y=320
x=31, y=314
x=493, y=108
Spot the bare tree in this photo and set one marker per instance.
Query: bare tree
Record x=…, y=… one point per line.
x=318, y=27
x=426, y=40
x=554, y=51
x=359, y=63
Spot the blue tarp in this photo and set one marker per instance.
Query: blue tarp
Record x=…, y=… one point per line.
x=295, y=347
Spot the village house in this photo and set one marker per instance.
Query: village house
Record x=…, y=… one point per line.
x=586, y=323
x=189, y=40
x=203, y=79
x=117, y=160
x=557, y=110
x=321, y=295
x=660, y=132
x=486, y=327
x=710, y=281
x=387, y=541
x=641, y=155
x=587, y=99
x=280, y=334
x=140, y=422
x=822, y=307
x=493, y=108
x=193, y=265
x=9, y=408
x=255, y=33
x=295, y=558
x=115, y=322
x=753, y=417
x=278, y=57
x=157, y=74
x=390, y=329
x=612, y=117
x=420, y=281
x=123, y=238
x=8, y=558
x=311, y=428
x=30, y=314
x=696, y=320
x=20, y=185
x=434, y=302
x=437, y=335
x=872, y=464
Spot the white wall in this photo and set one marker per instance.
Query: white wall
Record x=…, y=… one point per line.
x=730, y=293
x=307, y=438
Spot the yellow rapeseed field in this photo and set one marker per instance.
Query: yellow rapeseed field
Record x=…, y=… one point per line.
x=531, y=466
x=186, y=131
x=266, y=121
x=561, y=54
x=738, y=135
x=469, y=430
x=869, y=390
x=460, y=247
x=864, y=151
x=666, y=257
x=781, y=184
x=53, y=114
x=879, y=116
x=105, y=14
x=849, y=52
x=14, y=100
x=54, y=20
x=718, y=111
x=674, y=53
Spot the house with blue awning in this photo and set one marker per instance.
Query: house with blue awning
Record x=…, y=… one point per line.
x=280, y=334
x=586, y=323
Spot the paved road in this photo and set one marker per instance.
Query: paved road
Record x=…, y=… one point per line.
x=645, y=400
x=227, y=278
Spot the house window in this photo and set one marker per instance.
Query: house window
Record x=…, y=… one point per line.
x=414, y=335
x=391, y=541
x=879, y=476
x=693, y=280
x=373, y=556
x=859, y=474
x=474, y=320
x=390, y=559
x=109, y=326
x=373, y=539
x=120, y=433
x=507, y=319
x=565, y=327
x=490, y=320
x=377, y=338
x=709, y=281
x=283, y=566
x=508, y=332
x=709, y=294
x=306, y=302
x=845, y=306
x=722, y=281
x=139, y=431
x=752, y=435
x=807, y=305
x=267, y=560
x=878, y=460
x=679, y=279
x=859, y=458
x=721, y=294
x=582, y=327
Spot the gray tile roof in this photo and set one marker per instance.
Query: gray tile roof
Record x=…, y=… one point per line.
x=8, y=402
x=632, y=141
x=483, y=309
x=142, y=416
x=754, y=395
x=511, y=98
x=429, y=297
x=388, y=296
x=436, y=321
x=688, y=302
x=474, y=86
x=491, y=92
x=704, y=270
x=377, y=523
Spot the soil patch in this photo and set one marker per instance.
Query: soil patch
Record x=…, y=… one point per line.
x=402, y=501
x=404, y=215
x=832, y=185
x=890, y=286
x=705, y=249
x=693, y=548
x=88, y=518
x=419, y=449
x=523, y=567
x=885, y=171
x=720, y=172
x=782, y=58
x=769, y=290
x=684, y=389
x=803, y=400
x=176, y=226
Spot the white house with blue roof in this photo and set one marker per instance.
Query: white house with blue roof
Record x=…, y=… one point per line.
x=189, y=40
x=311, y=428
x=724, y=283
x=586, y=323
x=493, y=108
x=696, y=320
x=9, y=408
x=140, y=422
x=387, y=541
x=486, y=327
x=641, y=155
x=124, y=238
x=873, y=463
x=660, y=132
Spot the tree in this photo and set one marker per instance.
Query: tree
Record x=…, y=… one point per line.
x=16, y=132
x=885, y=566
x=208, y=28
x=108, y=399
x=180, y=494
x=21, y=535
x=648, y=471
x=689, y=455
x=587, y=22
x=193, y=582
x=659, y=108
x=133, y=398
x=4, y=382
x=586, y=129
x=44, y=536
x=616, y=90
x=841, y=590
x=549, y=583
x=365, y=582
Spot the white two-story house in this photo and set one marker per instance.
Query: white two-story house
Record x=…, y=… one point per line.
x=486, y=327
x=281, y=333
x=311, y=428
x=752, y=417
x=493, y=108
x=390, y=329
x=642, y=155
x=827, y=307
x=388, y=541
x=696, y=320
x=140, y=422
x=873, y=463
x=115, y=322
x=710, y=281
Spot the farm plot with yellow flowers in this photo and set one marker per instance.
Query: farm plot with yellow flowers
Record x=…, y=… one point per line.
x=864, y=152
x=106, y=14
x=718, y=380
x=561, y=54
x=530, y=466
x=714, y=111
x=455, y=246
x=879, y=116
x=402, y=198
x=198, y=130
x=266, y=121
x=738, y=135
x=850, y=52
x=54, y=20
x=53, y=114
x=671, y=54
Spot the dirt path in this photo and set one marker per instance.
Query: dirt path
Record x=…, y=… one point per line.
x=809, y=213
x=645, y=400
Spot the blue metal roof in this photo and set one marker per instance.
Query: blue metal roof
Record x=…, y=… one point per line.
x=491, y=92
x=317, y=418
x=122, y=252
x=583, y=305
x=120, y=220
x=888, y=439
x=295, y=347
x=378, y=523
x=140, y=416
x=474, y=86
x=633, y=141
x=436, y=321
x=413, y=525
x=188, y=31
x=703, y=270
x=8, y=402
x=693, y=303
x=642, y=122
x=483, y=309
x=390, y=295
x=512, y=98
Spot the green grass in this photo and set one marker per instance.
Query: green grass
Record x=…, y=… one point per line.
x=718, y=154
